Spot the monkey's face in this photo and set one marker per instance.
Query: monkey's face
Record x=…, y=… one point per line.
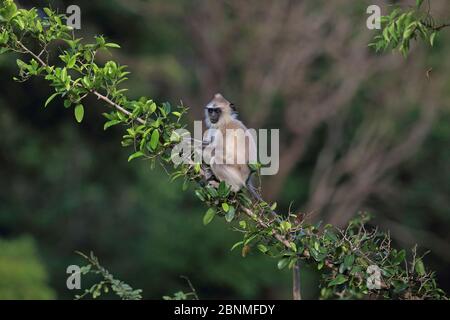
x=219, y=110
x=214, y=113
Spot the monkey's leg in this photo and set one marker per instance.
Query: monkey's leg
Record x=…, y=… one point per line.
x=208, y=173
x=208, y=177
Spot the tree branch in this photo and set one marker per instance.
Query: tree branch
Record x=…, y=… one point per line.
x=96, y=93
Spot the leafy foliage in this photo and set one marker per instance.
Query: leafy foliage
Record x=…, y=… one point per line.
x=22, y=275
x=400, y=27
x=181, y=295
x=120, y=288
x=342, y=256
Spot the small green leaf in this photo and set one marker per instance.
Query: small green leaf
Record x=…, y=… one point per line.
x=293, y=246
x=154, y=140
x=237, y=244
x=348, y=261
x=71, y=62
x=262, y=248
x=419, y=267
x=67, y=103
x=111, y=123
x=199, y=194
x=340, y=279
x=283, y=263
x=432, y=38
x=399, y=258
x=79, y=113
x=135, y=155
x=274, y=206
x=229, y=216
x=152, y=107
x=175, y=137
x=223, y=189
x=209, y=216
x=316, y=246
x=225, y=207
x=112, y=45
x=245, y=250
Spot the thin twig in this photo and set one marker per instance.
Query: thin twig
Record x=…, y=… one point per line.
x=194, y=292
x=96, y=93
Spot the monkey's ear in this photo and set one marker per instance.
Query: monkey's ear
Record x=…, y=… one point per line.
x=232, y=106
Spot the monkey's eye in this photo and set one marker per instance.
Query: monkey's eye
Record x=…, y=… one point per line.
x=214, y=110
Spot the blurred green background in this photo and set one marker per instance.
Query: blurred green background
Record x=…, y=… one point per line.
x=358, y=131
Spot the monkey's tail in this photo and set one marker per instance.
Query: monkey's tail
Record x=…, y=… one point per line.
x=253, y=191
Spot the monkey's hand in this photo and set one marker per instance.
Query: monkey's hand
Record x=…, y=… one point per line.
x=208, y=173
x=213, y=183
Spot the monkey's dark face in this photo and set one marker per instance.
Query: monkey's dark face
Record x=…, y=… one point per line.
x=214, y=114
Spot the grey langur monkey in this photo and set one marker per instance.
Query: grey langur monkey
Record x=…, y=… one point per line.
x=229, y=144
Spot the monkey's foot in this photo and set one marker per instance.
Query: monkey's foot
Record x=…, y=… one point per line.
x=208, y=174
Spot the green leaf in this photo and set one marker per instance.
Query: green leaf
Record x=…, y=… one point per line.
x=229, y=216
x=237, y=244
x=111, y=123
x=154, y=140
x=293, y=246
x=175, y=137
x=399, y=258
x=340, y=279
x=262, y=248
x=419, y=267
x=71, y=62
x=225, y=207
x=199, y=194
x=285, y=226
x=283, y=263
x=135, y=155
x=419, y=3
x=223, y=189
x=21, y=64
x=432, y=38
x=48, y=12
x=209, y=216
x=50, y=99
x=348, y=261
x=292, y=262
x=213, y=192
x=7, y=10
x=79, y=113
x=112, y=45
x=245, y=250
x=152, y=107
x=274, y=206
